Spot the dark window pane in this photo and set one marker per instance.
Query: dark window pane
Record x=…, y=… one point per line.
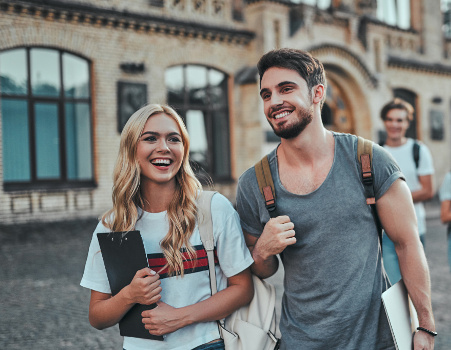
x=221, y=143
x=47, y=141
x=13, y=72
x=329, y=91
x=15, y=138
x=196, y=82
x=218, y=88
x=78, y=141
x=45, y=72
x=174, y=85
x=327, y=115
x=75, y=76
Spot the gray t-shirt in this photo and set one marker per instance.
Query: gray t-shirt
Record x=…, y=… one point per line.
x=333, y=276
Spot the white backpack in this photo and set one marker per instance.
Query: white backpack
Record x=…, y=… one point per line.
x=254, y=326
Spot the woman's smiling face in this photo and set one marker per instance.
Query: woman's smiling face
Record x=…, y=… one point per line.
x=160, y=150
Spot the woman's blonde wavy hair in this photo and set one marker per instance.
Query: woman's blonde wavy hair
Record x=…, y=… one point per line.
x=127, y=196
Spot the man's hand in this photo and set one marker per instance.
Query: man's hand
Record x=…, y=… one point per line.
x=423, y=341
x=276, y=236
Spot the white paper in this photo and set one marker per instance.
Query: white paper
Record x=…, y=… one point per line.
x=402, y=323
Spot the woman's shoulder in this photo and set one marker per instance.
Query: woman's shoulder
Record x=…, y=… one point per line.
x=101, y=228
x=220, y=204
x=220, y=201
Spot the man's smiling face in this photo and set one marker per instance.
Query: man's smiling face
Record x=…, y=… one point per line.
x=287, y=101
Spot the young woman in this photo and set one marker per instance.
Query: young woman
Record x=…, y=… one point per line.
x=155, y=192
x=445, y=210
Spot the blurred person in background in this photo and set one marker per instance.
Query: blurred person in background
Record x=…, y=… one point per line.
x=415, y=161
x=445, y=212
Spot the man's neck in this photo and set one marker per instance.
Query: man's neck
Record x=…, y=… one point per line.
x=396, y=142
x=312, y=144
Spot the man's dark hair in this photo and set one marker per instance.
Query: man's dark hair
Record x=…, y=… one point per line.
x=397, y=103
x=307, y=66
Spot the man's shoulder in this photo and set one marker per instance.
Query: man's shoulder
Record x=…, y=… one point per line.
x=349, y=140
x=249, y=174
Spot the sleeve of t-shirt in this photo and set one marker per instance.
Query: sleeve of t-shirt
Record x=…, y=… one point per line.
x=250, y=205
x=233, y=254
x=445, y=189
x=425, y=165
x=94, y=276
x=385, y=169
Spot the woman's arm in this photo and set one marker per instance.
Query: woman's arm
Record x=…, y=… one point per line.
x=445, y=211
x=106, y=310
x=166, y=319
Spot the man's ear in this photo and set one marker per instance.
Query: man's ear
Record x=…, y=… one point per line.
x=318, y=93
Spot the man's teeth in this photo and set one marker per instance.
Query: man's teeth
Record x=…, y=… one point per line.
x=281, y=115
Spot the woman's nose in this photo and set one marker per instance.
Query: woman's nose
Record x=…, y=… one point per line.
x=162, y=146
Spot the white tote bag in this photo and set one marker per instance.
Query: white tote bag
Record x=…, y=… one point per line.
x=254, y=326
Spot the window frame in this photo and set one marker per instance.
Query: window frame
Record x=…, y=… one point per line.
x=60, y=101
x=208, y=111
x=398, y=8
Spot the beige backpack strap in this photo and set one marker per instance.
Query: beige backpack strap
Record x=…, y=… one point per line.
x=205, y=225
x=266, y=185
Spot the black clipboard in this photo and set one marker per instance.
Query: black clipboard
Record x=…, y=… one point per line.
x=123, y=254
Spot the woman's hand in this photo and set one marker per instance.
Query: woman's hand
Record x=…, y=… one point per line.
x=144, y=288
x=162, y=320
x=106, y=310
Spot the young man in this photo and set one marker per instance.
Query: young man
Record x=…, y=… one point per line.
x=445, y=209
x=415, y=162
x=325, y=232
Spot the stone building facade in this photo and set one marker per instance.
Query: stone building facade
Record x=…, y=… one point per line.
x=73, y=71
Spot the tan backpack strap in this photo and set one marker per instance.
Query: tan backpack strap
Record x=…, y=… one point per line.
x=266, y=185
x=365, y=157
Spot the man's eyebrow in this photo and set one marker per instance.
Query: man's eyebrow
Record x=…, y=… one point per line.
x=286, y=83
x=262, y=91
x=283, y=83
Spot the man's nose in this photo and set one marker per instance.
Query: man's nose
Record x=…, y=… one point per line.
x=276, y=100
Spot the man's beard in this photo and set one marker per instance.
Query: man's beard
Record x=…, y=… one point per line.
x=304, y=118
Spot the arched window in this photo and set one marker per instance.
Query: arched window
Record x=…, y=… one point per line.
x=46, y=119
x=335, y=113
x=200, y=96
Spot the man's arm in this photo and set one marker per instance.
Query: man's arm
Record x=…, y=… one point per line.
x=427, y=189
x=277, y=234
x=397, y=215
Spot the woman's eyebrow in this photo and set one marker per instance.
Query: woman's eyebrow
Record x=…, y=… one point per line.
x=158, y=134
